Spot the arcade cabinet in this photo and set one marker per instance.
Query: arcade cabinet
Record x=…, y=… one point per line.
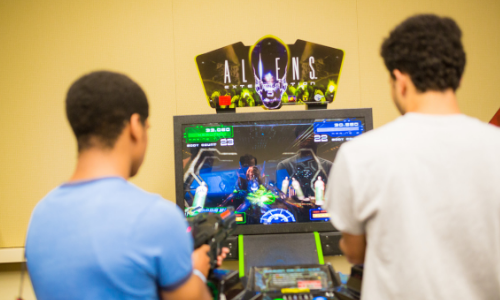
x=272, y=168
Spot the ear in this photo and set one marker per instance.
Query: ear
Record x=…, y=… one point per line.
x=136, y=127
x=400, y=82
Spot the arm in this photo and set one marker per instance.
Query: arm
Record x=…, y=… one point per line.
x=165, y=251
x=344, y=211
x=353, y=247
x=194, y=288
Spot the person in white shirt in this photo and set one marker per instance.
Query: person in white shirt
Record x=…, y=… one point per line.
x=418, y=200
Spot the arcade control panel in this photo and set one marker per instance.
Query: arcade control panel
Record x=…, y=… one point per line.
x=329, y=244
x=304, y=282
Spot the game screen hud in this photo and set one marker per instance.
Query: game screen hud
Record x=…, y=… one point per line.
x=268, y=171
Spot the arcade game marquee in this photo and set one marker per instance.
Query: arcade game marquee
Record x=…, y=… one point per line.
x=270, y=168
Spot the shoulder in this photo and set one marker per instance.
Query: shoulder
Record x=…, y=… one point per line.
x=161, y=224
x=160, y=216
x=43, y=205
x=475, y=134
x=157, y=207
x=475, y=125
x=376, y=140
x=133, y=190
x=124, y=198
x=153, y=201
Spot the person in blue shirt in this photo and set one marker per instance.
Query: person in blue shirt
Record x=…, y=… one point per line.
x=98, y=236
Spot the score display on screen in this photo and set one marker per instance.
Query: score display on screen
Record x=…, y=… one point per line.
x=345, y=127
x=270, y=172
x=207, y=134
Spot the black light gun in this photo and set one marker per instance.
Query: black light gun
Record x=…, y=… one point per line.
x=212, y=229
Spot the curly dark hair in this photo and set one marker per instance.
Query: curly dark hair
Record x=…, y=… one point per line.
x=100, y=104
x=429, y=49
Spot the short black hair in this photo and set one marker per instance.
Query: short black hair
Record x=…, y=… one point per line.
x=100, y=104
x=429, y=49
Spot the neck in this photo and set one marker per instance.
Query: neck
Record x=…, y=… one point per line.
x=98, y=163
x=434, y=103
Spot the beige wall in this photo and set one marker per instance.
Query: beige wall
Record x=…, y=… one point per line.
x=45, y=45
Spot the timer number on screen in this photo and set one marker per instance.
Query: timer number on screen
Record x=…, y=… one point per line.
x=227, y=142
x=320, y=138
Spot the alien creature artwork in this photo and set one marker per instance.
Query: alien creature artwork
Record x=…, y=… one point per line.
x=270, y=74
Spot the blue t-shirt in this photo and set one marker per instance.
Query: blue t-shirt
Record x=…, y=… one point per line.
x=106, y=239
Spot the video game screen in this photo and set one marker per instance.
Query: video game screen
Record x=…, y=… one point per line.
x=269, y=279
x=268, y=171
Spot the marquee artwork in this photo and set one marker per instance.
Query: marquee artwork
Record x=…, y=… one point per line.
x=270, y=74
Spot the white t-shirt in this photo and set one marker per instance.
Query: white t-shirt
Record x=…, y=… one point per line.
x=425, y=190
